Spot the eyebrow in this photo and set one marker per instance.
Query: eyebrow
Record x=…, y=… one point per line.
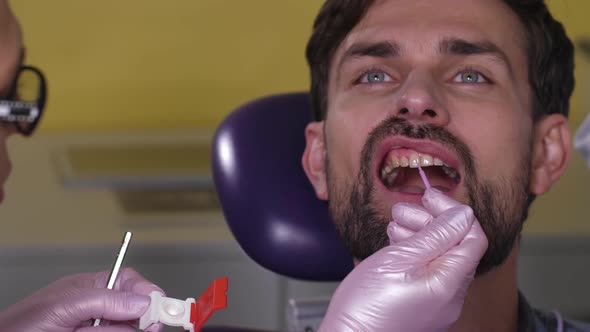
x=462, y=47
x=377, y=50
x=447, y=46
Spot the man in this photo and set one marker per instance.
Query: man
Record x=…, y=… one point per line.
x=476, y=92
x=70, y=303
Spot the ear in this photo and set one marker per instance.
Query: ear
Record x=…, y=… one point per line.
x=551, y=152
x=314, y=158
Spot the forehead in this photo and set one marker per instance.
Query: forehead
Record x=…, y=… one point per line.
x=420, y=25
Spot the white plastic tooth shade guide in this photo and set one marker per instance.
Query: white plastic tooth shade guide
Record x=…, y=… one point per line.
x=169, y=311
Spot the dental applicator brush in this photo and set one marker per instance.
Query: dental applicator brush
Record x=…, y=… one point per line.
x=424, y=178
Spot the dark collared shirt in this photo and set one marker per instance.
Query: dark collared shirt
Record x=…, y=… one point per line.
x=533, y=320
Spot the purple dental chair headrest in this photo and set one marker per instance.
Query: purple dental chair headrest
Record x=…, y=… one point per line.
x=268, y=202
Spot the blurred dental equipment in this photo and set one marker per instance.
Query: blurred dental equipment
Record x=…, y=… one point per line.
x=582, y=139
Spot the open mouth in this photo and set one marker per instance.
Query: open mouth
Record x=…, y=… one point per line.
x=399, y=171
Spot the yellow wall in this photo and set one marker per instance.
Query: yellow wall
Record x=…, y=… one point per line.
x=118, y=64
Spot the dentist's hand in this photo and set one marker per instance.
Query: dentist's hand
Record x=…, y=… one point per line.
x=418, y=283
x=69, y=304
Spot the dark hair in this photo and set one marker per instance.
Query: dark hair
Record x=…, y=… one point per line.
x=549, y=52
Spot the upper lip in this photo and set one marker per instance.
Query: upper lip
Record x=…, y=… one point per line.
x=429, y=147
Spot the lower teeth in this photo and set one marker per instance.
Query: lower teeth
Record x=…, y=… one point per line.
x=391, y=176
x=450, y=172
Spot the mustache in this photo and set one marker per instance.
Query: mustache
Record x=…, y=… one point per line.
x=395, y=126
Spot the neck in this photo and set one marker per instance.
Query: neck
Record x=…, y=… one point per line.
x=491, y=303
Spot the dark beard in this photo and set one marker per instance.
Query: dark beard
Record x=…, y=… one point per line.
x=500, y=205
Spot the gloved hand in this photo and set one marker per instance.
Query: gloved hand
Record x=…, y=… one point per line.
x=69, y=304
x=419, y=283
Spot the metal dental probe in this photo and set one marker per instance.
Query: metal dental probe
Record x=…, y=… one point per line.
x=117, y=266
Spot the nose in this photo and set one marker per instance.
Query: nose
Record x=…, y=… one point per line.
x=420, y=101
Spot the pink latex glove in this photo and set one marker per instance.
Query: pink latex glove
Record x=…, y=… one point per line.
x=69, y=304
x=419, y=283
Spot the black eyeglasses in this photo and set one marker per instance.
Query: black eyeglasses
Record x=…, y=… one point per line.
x=24, y=104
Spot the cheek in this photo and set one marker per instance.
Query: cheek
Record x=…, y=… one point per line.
x=346, y=133
x=498, y=144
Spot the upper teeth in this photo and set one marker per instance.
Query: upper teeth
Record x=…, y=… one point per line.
x=412, y=161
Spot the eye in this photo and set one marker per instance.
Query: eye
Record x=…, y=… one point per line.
x=470, y=77
x=374, y=76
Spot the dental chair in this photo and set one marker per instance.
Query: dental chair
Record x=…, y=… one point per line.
x=267, y=200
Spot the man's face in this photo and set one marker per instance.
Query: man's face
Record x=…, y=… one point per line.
x=10, y=58
x=441, y=83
